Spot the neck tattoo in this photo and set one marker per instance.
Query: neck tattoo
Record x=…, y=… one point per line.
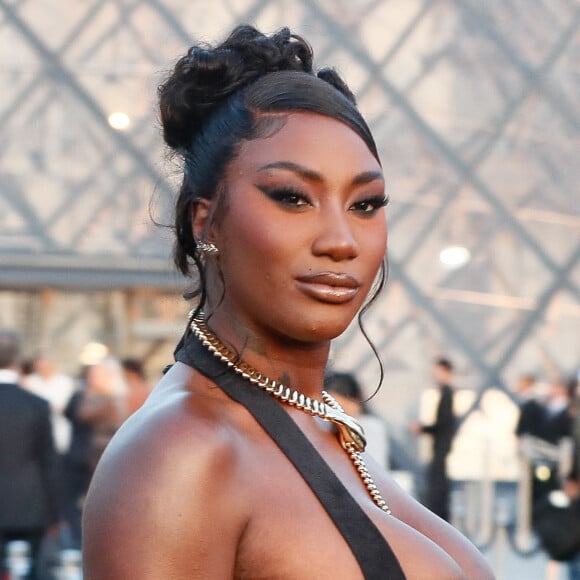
x=350, y=432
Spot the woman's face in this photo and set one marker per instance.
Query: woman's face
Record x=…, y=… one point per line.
x=303, y=232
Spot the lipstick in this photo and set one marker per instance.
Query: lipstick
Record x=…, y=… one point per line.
x=329, y=287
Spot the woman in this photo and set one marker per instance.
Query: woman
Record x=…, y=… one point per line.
x=280, y=211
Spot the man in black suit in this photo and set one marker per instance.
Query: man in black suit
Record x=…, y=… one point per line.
x=28, y=468
x=442, y=432
x=531, y=410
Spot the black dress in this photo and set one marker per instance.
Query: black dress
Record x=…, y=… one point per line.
x=375, y=557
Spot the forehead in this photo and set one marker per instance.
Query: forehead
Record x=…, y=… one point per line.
x=316, y=141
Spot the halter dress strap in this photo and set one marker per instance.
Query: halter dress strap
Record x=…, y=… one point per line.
x=372, y=552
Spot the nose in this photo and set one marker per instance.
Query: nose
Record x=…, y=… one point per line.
x=335, y=237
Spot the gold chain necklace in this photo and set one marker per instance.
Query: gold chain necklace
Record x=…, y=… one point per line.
x=350, y=431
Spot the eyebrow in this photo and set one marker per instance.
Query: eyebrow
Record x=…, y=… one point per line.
x=310, y=175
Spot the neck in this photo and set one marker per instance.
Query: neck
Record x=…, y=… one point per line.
x=350, y=432
x=296, y=364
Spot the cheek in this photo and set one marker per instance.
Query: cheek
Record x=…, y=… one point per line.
x=264, y=244
x=382, y=238
x=376, y=245
x=262, y=233
x=257, y=249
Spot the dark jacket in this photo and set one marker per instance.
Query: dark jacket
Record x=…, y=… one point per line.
x=80, y=451
x=556, y=426
x=444, y=427
x=530, y=419
x=28, y=461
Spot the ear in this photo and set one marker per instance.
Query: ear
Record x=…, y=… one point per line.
x=201, y=218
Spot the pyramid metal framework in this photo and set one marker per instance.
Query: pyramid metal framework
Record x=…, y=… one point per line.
x=474, y=106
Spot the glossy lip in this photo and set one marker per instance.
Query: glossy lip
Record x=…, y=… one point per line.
x=329, y=287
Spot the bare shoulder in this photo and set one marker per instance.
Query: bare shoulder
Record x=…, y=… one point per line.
x=465, y=554
x=165, y=490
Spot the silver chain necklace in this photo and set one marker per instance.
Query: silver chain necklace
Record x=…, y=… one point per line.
x=350, y=431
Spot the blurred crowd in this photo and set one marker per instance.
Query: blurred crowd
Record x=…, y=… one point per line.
x=548, y=430
x=83, y=413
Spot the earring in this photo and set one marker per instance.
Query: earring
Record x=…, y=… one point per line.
x=207, y=248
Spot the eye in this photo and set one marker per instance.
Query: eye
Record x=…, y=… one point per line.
x=371, y=205
x=287, y=196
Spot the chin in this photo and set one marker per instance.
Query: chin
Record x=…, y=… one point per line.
x=323, y=329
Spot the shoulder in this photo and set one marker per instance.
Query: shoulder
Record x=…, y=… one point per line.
x=179, y=433
x=170, y=474
x=21, y=396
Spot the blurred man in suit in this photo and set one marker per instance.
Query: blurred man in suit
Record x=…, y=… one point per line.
x=531, y=410
x=28, y=468
x=441, y=432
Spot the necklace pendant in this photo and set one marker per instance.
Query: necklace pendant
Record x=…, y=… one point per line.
x=350, y=431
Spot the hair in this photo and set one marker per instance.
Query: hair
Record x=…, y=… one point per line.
x=9, y=348
x=347, y=385
x=133, y=365
x=445, y=363
x=27, y=367
x=344, y=384
x=219, y=96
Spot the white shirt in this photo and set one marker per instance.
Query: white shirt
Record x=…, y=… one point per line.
x=8, y=376
x=556, y=405
x=57, y=390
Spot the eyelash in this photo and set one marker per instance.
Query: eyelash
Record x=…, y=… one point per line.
x=373, y=204
x=292, y=197
x=287, y=196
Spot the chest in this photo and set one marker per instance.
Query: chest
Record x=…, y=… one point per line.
x=290, y=534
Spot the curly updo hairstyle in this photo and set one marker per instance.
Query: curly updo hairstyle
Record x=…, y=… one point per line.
x=216, y=96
